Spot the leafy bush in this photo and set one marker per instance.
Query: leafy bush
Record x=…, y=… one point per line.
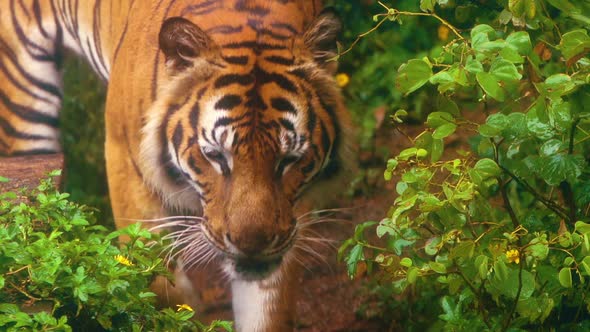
x=497, y=232
x=59, y=271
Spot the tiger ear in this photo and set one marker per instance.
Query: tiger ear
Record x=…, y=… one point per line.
x=320, y=38
x=182, y=42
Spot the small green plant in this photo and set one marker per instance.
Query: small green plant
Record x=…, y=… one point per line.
x=59, y=271
x=498, y=234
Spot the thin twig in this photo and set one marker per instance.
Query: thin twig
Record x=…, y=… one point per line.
x=392, y=15
x=549, y=204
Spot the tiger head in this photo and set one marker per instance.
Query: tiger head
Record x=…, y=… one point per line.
x=239, y=130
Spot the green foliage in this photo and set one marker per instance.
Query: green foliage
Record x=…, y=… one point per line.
x=83, y=136
x=499, y=234
x=370, y=61
x=59, y=271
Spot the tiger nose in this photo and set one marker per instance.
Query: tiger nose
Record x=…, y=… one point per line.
x=252, y=244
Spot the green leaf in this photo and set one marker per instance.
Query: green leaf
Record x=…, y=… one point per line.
x=407, y=153
x=511, y=55
x=481, y=264
x=432, y=246
x=535, y=309
x=561, y=167
x=565, y=277
x=437, y=119
x=486, y=130
x=560, y=115
x=437, y=149
x=520, y=41
x=484, y=169
x=501, y=271
x=427, y=5
x=481, y=34
x=465, y=249
x=406, y=262
x=360, y=229
x=438, y=267
x=452, y=311
x=517, y=7
x=355, y=256
x=3, y=179
x=412, y=275
x=473, y=66
x=538, y=248
x=536, y=124
x=551, y=147
x=574, y=43
x=582, y=227
x=509, y=285
x=556, y=86
x=505, y=70
x=586, y=265
x=444, y=131
x=490, y=85
x=412, y=75
x=494, y=125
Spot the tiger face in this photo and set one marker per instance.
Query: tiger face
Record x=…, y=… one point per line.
x=239, y=131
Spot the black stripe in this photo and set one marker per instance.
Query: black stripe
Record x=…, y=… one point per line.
x=202, y=8
x=282, y=81
x=194, y=115
x=96, y=24
x=254, y=100
x=192, y=164
x=226, y=120
x=38, y=19
x=49, y=88
x=241, y=5
x=123, y=34
x=225, y=29
x=228, y=102
x=29, y=152
x=285, y=26
x=280, y=60
x=283, y=105
x=237, y=60
x=12, y=132
x=36, y=51
x=95, y=61
x=20, y=86
x=272, y=34
x=301, y=73
x=177, y=138
x=308, y=168
x=27, y=113
x=287, y=124
x=326, y=142
x=255, y=46
x=230, y=79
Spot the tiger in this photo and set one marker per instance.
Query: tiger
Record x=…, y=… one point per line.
x=221, y=115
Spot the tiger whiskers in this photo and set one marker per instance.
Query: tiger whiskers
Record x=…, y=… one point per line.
x=325, y=211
